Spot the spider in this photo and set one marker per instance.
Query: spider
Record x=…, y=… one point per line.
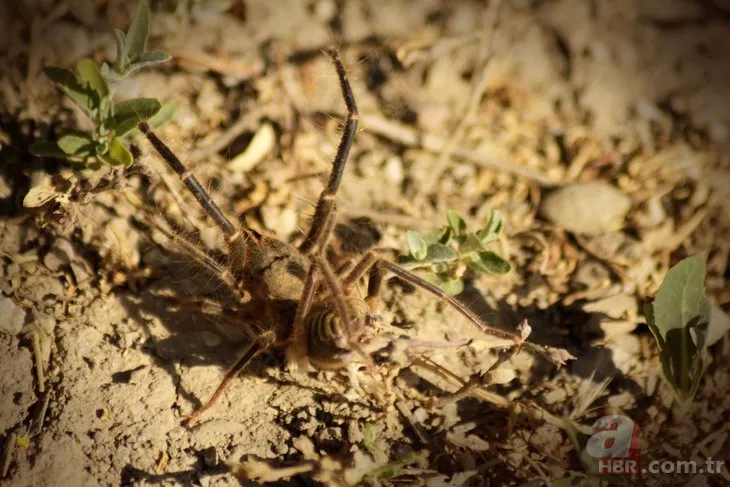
x=293, y=297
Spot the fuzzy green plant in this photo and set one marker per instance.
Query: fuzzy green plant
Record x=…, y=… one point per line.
x=91, y=88
x=679, y=318
x=443, y=255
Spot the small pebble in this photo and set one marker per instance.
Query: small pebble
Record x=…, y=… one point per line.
x=283, y=222
x=60, y=255
x=614, y=328
x=622, y=400
x=420, y=415
x=719, y=324
x=5, y=188
x=210, y=456
x=12, y=316
x=556, y=396
x=614, y=315
x=210, y=339
x=616, y=306
x=82, y=271
x=394, y=170
x=137, y=374
x=591, y=208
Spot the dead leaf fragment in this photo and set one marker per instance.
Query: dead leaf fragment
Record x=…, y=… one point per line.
x=40, y=194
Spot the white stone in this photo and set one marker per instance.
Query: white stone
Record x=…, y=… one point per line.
x=12, y=316
x=591, y=208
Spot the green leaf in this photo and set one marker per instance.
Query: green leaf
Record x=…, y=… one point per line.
x=165, y=114
x=77, y=144
x=472, y=243
x=409, y=263
x=453, y=286
x=129, y=113
x=435, y=236
x=121, y=62
x=72, y=86
x=681, y=298
x=446, y=236
x=579, y=441
x=89, y=72
x=416, y=245
x=136, y=39
x=47, y=148
x=432, y=277
x=492, y=229
x=440, y=235
x=456, y=223
x=102, y=147
x=117, y=154
x=488, y=261
x=149, y=58
x=440, y=253
x=678, y=318
x=111, y=76
x=437, y=254
x=99, y=101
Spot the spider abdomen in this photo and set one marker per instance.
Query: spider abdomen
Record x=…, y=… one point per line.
x=330, y=342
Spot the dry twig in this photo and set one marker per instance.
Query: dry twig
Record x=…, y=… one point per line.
x=407, y=136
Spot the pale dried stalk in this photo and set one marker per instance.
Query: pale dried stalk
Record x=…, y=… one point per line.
x=38, y=356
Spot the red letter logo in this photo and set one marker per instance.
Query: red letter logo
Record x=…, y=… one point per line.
x=615, y=444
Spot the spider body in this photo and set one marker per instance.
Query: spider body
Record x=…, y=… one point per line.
x=297, y=300
x=327, y=342
x=269, y=269
x=274, y=273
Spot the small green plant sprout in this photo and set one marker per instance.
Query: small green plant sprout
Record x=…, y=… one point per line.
x=446, y=253
x=679, y=318
x=92, y=89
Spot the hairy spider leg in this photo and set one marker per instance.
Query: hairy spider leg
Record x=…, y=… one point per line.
x=324, y=213
x=378, y=267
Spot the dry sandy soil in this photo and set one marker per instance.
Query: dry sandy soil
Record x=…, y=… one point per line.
x=459, y=111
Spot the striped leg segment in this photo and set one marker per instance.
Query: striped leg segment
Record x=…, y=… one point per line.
x=249, y=353
x=378, y=269
x=324, y=213
x=189, y=179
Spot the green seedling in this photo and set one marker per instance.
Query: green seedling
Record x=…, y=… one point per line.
x=92, y=88
x=679, y=319
x=394, y=469
x=444, y=254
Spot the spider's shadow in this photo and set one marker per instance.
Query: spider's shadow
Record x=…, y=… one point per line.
x=555, y=327
x=179, y=335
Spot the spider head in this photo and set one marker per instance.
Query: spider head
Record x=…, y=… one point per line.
x=274, y=270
